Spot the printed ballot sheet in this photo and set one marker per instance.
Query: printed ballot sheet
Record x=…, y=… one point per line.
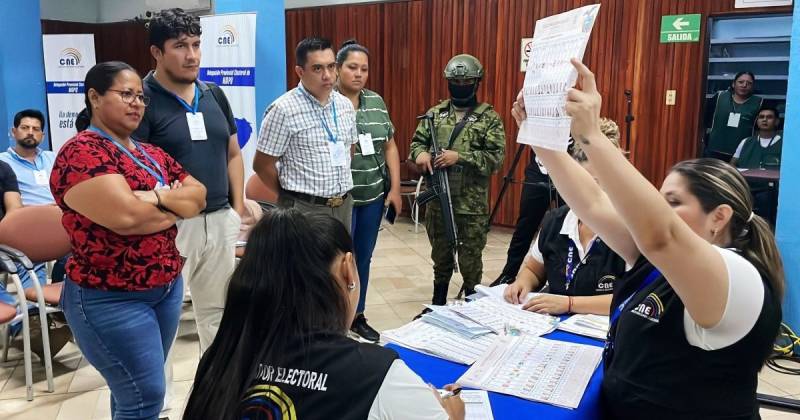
x=594, y=326
x=435, y=341
x=535, y=368
x=476, y=405
x=501, y=317
x=556, y=39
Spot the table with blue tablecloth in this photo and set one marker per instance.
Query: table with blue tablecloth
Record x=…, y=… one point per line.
x=440, y=372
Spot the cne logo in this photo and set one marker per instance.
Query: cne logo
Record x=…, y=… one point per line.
x=228, y=37
x=606, y=284
x=69, y=57
x=651, y=308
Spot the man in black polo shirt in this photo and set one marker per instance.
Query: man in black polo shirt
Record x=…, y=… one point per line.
x=192, y=121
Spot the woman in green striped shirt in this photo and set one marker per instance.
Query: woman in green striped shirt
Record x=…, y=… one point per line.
x=375, y=167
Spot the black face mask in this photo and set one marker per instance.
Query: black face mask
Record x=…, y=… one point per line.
x=463, y=95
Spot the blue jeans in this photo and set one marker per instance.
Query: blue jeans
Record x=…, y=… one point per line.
x=126, y=336
x=364, y=228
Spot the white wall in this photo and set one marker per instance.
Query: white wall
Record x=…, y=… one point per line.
x=72, y=10
x=296, y=4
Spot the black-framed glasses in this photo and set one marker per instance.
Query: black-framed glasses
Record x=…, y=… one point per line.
x=128, y=97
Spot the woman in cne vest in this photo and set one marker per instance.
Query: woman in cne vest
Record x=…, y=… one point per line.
x=282, y=351
x=579, y=268
x=730, y=116
x=698, y=312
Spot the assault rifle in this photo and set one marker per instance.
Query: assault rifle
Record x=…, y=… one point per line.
x=438, y=187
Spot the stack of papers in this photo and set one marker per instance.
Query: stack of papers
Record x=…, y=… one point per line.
x=435, y=341
x=595, y=326
x=444, y=317
x=535, y=368
x=476, y=405
x=501, y=317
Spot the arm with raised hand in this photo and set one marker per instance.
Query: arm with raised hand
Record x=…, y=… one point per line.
x=694, y=269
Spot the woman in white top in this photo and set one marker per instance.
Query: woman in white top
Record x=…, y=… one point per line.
x=698, y=312
x=282, y=351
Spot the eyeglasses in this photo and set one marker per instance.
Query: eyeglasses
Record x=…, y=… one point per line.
x=128, y=97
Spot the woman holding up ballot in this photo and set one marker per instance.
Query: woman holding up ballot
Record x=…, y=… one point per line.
x=579, y=268
x=282, y=351
x=696, y=316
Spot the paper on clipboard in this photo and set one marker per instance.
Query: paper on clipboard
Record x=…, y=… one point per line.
x=556, y=39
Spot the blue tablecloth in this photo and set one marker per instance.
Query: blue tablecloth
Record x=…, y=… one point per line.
x=440, y=372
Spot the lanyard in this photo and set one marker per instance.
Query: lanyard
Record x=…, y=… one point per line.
x=159, y=177
x=618, y=310
x=570, y=270
x=325, y=125
x=195, y=103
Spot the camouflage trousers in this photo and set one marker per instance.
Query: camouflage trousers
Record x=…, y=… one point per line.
x=472, y=232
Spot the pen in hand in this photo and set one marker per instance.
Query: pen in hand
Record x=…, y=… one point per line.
x=447, y=394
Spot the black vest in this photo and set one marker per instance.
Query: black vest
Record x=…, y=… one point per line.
x=595, y=276
x=653, y=371
x=328, y=377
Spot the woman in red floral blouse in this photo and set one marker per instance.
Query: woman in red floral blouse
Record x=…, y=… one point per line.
x=121, y=199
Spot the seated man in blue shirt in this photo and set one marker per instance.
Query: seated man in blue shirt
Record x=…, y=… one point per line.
x=30, y=163
x=32, y=167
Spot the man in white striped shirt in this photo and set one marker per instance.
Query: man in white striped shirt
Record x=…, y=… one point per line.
x=306, y=138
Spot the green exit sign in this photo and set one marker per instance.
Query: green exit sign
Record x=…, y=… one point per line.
x=680, y=28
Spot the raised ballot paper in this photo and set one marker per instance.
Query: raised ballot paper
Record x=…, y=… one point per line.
x=556, y=39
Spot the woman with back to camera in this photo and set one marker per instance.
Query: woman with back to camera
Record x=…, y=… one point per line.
x=579, y=268
x=375, y=168
x=698, y=313
x=282, y=351
x=123, y=290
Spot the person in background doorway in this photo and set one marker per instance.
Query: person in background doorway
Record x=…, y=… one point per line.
x=730, y=116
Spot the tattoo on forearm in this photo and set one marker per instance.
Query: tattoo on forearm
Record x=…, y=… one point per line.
x=583, y=140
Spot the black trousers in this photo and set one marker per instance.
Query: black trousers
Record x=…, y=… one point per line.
x=532, y=206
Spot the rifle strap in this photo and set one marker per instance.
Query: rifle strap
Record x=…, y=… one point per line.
x=458, y=128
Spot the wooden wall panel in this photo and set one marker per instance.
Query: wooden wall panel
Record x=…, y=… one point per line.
x=123, y=41
x=412, y=40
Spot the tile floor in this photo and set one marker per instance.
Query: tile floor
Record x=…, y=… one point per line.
x=400, y=283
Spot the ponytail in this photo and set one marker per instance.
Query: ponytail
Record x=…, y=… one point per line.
x=757, y=244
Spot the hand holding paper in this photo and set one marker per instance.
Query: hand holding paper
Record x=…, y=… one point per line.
x=583, y=105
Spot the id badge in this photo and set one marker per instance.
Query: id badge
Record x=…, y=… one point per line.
x=41, y=178
x=365, y=141
x=338, y=154
x=733, y=119
x=197, y=126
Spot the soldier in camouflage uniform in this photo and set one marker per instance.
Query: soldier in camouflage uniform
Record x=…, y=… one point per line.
x=470, y=158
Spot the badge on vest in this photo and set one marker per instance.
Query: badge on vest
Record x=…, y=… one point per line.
x=472, y=118
x=650, y=308
x=443, y=114
x=605, y=284
x=733, y=119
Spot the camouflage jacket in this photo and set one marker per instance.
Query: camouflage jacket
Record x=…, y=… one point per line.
x=481, y=149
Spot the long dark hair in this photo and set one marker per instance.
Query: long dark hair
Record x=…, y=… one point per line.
x=282, y=288
x=714, y=183
x=100, y=78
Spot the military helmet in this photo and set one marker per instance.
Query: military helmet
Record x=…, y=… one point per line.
x=463, y=66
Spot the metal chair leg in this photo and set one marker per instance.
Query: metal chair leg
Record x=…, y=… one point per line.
x=26, y=336
x=45, y=326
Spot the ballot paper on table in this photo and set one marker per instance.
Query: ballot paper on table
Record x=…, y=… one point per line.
x=498, y=293
x=435, y=341
x=502, y=316
x=556, y=39
x=535, y=368
x=595, y=326
x=476, y=405
x=444, y=317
